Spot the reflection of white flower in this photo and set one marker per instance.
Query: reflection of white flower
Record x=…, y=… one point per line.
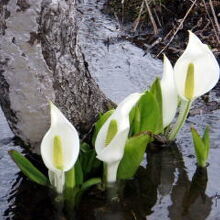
x=59, y=148
x=169, y=93
x=196, y=71
x=112, y=137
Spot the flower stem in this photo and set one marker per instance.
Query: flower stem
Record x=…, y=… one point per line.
x=184, y=110
x=110, y=172
x=57, y=180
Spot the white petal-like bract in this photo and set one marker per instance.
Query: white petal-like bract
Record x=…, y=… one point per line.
x=114, y=151
x=68, y=135
x=169, y=93
x=206, y=68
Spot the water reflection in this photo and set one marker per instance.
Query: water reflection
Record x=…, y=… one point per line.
x=189, y=200
x=164, y=176
x=196, y=190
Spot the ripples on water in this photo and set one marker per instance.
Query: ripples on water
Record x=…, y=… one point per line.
x=163, y=189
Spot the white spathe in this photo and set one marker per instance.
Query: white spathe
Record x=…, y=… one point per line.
x=206, y=68
x=112, y=154
x=61, y=127
x=169, y=93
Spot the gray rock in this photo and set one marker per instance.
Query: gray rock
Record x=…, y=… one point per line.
x=58, y=50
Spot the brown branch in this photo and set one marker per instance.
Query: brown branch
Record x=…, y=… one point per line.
x=215, y=19
x=151, y=17
x=210, y=18
x=178, y=28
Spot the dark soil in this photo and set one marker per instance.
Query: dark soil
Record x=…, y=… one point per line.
x=168, y=16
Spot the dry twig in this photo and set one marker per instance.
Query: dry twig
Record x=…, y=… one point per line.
x=210, y=18
x=178, y=28
x=139, y=17
x=215, y=17
x=151, y=17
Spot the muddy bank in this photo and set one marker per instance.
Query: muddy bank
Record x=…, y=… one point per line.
x=162, y=26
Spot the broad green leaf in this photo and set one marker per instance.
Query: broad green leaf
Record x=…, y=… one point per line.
x=102, y=119
x=133, y=155
x=137, y=121
x=132, y=114
x=149, y=112
x=134, y=118
x=28, y=168
x=90, y=182
x=70, y=178
x=199, y=148
x=156, y=91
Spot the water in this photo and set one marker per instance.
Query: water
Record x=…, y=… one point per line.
x=119, y=67
x=163, y=188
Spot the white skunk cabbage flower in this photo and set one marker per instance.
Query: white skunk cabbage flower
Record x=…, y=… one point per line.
x=169, y=93
x=196, y=71
x=59, y=148
x=112, y=137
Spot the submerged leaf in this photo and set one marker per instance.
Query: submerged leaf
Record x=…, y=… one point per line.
x=28, y=168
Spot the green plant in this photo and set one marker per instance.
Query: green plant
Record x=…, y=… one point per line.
x=201, y=146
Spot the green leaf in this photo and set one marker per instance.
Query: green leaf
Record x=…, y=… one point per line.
x=199, y=147
x=28, y=168
x=102, y=119
x=70, y=178
x=79, y=175
x=149, y=114
x=132, y=115
x=84, y=147
x=88, y=161
x=90, y=182
x=206, y=141
x=133, y=155
x=136, y=126
x=156, y=91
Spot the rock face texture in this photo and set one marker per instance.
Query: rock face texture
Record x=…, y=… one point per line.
x=59, y=50
x=41, y=61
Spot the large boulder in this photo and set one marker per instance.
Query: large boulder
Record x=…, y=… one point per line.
x=59, y=50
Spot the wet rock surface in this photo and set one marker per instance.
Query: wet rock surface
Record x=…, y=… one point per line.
x=55, y=55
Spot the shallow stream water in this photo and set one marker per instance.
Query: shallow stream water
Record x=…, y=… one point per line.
x=163, y=189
